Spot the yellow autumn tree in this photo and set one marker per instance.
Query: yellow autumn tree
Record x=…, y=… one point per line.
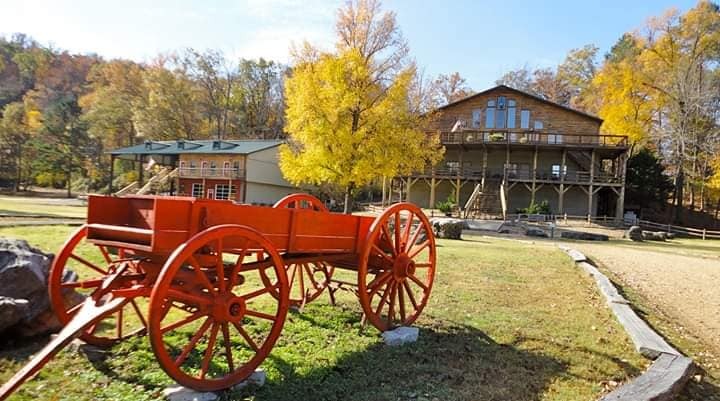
x=348, y=113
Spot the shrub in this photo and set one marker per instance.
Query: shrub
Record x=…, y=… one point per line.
x=534, y=208
x=447, y=205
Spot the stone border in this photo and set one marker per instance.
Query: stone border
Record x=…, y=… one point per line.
x=667, y=376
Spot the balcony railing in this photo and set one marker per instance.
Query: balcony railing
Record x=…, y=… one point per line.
x=208, y=172
x=514, y=174
x=531, y=137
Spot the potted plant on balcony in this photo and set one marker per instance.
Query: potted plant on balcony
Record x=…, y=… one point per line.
x=497, y=137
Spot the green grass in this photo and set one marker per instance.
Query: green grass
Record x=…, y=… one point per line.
x=506, y=321
x=20, y=207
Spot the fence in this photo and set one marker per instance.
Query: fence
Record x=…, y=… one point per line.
x=614, y=222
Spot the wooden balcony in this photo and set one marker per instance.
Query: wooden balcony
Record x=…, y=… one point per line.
x=214, y=173
x=531, y=137
x=515, y=175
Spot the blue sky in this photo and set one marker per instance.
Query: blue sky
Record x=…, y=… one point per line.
x=479, y=39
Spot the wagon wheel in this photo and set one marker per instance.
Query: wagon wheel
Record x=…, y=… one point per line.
x=77, y=272
x=307, y=280
x=301, y=201
x=212, y=318
x=397, y=267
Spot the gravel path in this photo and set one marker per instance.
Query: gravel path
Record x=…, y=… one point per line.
x=685, y=287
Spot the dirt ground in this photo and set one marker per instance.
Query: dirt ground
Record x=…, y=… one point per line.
x=684, y=287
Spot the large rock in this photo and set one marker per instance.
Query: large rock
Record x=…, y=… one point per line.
x=654, y=235
x=448, y=227
x=584, y=236
x=634, y=233
x=24, y=303
x=535, y=232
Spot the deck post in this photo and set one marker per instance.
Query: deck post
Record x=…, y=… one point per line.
x=620, y=207
x=432, y=190
x=484, y=167
x=534, y=176
x=592, y=181
x=561, y=200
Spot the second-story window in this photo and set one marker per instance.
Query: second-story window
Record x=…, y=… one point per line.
x=501, y=119
x=538, y=124
x=476, y=115
x=511, y=114
x=490, y=114
x=525, y=119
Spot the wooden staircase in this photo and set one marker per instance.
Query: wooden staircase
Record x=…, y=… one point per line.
x=484, y=203
x=153, y=185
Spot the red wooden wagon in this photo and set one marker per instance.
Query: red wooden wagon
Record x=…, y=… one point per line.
x=211, y=282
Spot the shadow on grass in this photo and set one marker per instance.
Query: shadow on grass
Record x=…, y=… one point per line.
x=457, y=363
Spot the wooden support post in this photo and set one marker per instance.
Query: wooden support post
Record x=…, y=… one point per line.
x=561, y=194
x=704, y=233
x=620, y=207
x=484, y=168
x=592, y=180
x=384, y=191
x=534, y=176
x=432, y=190
x=457, y=191
x=112, y=174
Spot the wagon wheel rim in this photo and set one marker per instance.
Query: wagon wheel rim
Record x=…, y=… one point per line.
x=91, y=263
x=301, y=201
x=397, y=267
x=223, y=334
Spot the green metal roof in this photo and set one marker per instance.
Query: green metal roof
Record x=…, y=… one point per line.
x=242, y=147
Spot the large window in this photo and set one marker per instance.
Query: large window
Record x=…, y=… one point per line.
x=556, y=170
x=197, y=190
x=501, y=119
x=538, y=124
x=490, y=114
x=476, y=115
x=224, y=191
x=511, y=114
x=525, y=119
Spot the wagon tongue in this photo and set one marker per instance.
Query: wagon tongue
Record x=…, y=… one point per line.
x=92, y=310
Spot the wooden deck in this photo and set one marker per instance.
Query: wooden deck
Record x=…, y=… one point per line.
x=531, y=138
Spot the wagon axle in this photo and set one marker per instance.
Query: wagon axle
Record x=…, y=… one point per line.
x=211, y=282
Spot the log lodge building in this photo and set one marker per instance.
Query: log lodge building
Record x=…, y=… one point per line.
x=506, y=149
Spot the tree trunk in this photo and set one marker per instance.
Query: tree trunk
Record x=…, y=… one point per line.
x=348, y=198
x=384, y=191
x=679, y=187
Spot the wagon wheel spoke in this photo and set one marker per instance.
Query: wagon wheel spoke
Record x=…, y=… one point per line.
x=378, y=282
x=418, y=282
x=105, y=254
x=406, y=232
x=401, y=301
x=388, y=236
x=88, y=264
x=383, y=298
x=397, y=233
x=410, y=294
x=301, y=283
x=200, y=275
x=182, y=322
x=119, y=323
x=90, y=283
x=257, y=293
x=418, y=249
x=246, y=336
x=188, y=298
x=209, y=351
x=220, y=266
x=311, y=277
x=228, y=347
x=382, y=254
x=391, y=307
x=180, y=360
x=261, y=315
x=414, y=237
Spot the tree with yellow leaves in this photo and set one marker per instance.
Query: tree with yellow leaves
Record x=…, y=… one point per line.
x=348, y=114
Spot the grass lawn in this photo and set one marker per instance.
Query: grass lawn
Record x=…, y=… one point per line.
x=27, y=206
x=506, y=321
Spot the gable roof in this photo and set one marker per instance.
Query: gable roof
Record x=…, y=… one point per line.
x=523, y=93
x=228, y=146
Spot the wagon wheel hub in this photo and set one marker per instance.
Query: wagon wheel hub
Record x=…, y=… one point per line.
x=403, y=267
x=229, y=309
